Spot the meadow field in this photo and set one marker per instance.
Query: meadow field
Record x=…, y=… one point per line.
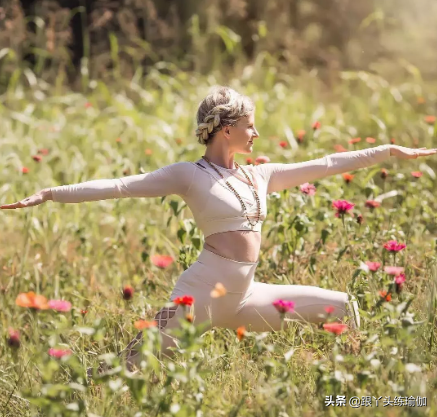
x=87, y=253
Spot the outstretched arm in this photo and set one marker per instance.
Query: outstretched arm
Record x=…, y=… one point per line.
x=282, y=176
x=172, y=179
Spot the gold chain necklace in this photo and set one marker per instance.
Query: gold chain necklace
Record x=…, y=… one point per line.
x=238, y=195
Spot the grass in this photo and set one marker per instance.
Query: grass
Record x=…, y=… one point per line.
x=85, y=253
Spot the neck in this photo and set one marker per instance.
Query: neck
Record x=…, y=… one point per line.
x=223, y=159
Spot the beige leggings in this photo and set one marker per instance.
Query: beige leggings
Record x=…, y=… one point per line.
x=246, y=303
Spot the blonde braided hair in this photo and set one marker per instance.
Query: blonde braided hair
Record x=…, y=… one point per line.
x=222, y=107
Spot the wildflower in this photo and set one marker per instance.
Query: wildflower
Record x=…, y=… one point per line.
x=417, y=174
x=329, y=309
x=370, y=140
x=144, y=324
x=262, y=159
x=316, y=125
x=420, y=100
x=83, y=312
x=60, y=305
x=283, y=306
x=128, y=292
x=347, y=177
x=189, y=317
x=161, y=261
x=337, y=328
x=393, y=246
x=126, y=171
x=392, y=140
x=340, y=148
x=241, y=332
x=393, y=270
x=32, y=300
x=384, y=173
x=342, y=207
x=43, y=151
x=360, y=219
x=399, y=281
x=372, y=204
x=185, y=300
x=283, y=144
x=14, y=338
x=430, y=119
x=218, y=291
x=178, y=141
x=59, y=353
x=249, y=161
x=118, y=140
x=148, y=152
x=354, y=140
x=373, y=266
x=37, y=158
x=88, y=105
x=308, y=189
x=300, y=135
x=25, y=170
x=384, y=295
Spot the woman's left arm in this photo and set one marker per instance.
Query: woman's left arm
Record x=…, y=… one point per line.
x=282, y=176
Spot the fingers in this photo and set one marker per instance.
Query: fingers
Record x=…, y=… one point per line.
x=12, y=206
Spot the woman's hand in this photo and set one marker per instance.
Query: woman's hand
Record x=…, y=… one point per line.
x=407, y=153
x=33, y=200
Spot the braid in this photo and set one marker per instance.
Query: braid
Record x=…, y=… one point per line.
x=222, y=107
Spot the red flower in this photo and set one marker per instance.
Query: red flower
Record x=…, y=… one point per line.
x=370, y=140
x=348, y=177
x=241, y=332
x=373, y=266
x=283, y=144
x=393, y=270
x=340, y=148
x=372, y=204
x=360, y=219
x=316, y=125
x=393, y=246
x=161, y=261
x=300, y=135
x=25, y=170
x=308, y=189
x=59, y=353
x=185, y=300
x=392, y=140
x=430, y=119
x=342, y=207
x=14, y=338
x=144, y=324
x=262, y=159
x=417, y=174
x=249, y=160
x=329, y=309
x=43, y=151
x=83, y=312
x=354, y=140
x=384, y=173
x=37, y=158
x=128, y=292
x=384, y=295
x=337, y=328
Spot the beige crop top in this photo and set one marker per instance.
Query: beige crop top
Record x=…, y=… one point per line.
x=214, y=206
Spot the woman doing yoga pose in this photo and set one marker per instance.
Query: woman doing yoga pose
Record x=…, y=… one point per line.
x=228, y=202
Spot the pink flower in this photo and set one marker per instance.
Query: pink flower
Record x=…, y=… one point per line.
x=337, y=328
x=59, y=353
x=373, y=266
x=393, y=270
x=161, y=261
x=60, y=305
x=283, y=306
x=308, y=189
x=393, y=246
x=316, y=125
x=329, y=309
x=342, y=207
x=262, y=159
x=417, y=174
x=400, y=279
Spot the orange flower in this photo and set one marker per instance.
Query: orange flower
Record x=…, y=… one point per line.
x=218, y=291
x=241, y=332
x=32, y=300
x=354, y=140
x=189, y=317
x=144, y=324
x=340, y=148
x=383, y=294
x=118, y=140
x=384, y=173
x=25, y=170
x=430, y=119
x=392, y=140
x=186, y=300
x=178, y=141
x=300, y=134
x=348, y=177
x=148, y=152
x=420, y=100
x=337, y=328
x=370, y=140
x=161, y=261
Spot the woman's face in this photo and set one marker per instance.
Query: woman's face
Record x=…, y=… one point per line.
x=243, y=134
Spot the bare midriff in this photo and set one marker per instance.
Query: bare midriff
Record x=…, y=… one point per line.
x=238, y=245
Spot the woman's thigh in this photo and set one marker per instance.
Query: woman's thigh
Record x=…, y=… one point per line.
x=259, y=314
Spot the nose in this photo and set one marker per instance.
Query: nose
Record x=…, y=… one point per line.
x=255, y=133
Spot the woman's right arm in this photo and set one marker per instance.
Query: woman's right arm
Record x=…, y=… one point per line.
x=171, y=179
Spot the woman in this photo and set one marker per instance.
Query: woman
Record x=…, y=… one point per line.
x=228, y=202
